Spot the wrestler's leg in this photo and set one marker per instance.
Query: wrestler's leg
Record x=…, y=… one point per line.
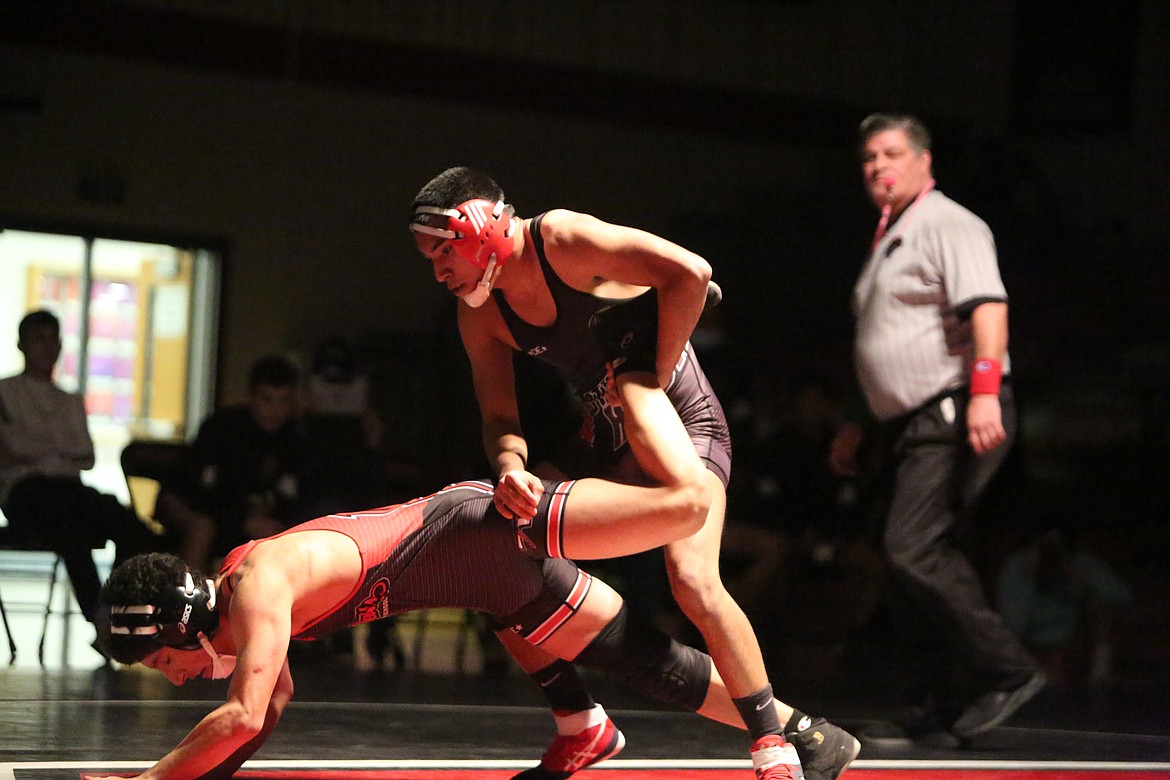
x=693, y=561
x=584, y=733
x=656, y=434
x=600, y=607
x=601, y=519
x=605, y=519
x=693, y=566
x=665, y=451
x=637, y=654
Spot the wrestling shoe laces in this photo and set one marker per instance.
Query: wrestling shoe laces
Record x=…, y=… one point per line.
x=825, y=750
x=774, y=759
x=567, y=754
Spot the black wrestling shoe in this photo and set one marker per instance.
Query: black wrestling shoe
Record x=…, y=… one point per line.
x=714, y=296
x=994, y=707
x=825, y=750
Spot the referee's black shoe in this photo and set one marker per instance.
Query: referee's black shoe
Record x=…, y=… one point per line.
x=994, y=707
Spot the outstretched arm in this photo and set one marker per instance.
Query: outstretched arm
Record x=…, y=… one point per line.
x=188, y=760
x=280, y=698
x=260, y=622
x=517, y=490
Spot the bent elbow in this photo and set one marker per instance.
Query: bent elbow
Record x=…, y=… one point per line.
x=242, y=724
x=249, y=727
x=701, y=269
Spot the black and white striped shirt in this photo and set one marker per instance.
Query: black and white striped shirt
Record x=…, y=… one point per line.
x=913, y=302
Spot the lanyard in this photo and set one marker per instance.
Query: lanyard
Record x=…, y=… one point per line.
x=884, y=222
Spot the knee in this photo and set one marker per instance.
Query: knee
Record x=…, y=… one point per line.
x=912, y=562
x=697, y=588
x=648, y=661
x=903, y=551
x=902, y=563
x=693, y=503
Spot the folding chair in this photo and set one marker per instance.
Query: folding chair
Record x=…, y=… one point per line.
x=10, y=542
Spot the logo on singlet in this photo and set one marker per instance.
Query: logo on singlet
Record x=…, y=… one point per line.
x=375, y=605
x=537, y=351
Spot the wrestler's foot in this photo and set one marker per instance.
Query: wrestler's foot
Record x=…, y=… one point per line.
x=773, y=758
x=825, y=750
x=714, y=296
x=567, y=754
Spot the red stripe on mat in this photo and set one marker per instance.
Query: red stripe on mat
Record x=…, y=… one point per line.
x=698, y=774
x=703, y=774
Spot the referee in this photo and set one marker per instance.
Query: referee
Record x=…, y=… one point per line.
x=931, y=358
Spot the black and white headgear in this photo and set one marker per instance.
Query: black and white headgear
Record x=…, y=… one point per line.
x=183, y=612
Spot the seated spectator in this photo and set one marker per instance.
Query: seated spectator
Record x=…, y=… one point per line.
x=44, y=447
x=348, y=464
x=1059, y=600
x=243, y=477
x=348, y=467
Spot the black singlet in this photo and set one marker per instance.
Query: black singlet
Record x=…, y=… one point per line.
x=568, y=346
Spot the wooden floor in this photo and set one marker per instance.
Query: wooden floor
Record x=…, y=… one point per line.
x=55, y=721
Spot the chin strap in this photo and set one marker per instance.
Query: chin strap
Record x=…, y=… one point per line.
x=221, y=665
x=478, y=297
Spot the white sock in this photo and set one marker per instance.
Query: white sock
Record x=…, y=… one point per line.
x=568, y=725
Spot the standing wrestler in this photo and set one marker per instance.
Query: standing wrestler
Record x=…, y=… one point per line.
x=448, y=549
x=931, y=358
x=536, y=285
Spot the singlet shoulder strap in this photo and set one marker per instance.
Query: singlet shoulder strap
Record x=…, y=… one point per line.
x=550, y=276
x=537, y=238
x=555, y=285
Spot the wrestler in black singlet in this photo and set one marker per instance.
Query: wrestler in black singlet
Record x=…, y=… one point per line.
x=568, y=346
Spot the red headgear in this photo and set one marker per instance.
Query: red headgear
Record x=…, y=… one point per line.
x=480, y=232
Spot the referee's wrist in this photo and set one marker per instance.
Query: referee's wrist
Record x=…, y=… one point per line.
x=986, y=376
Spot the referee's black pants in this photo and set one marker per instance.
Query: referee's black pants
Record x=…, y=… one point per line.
x=937, y=483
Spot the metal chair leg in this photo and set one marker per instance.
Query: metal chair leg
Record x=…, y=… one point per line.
x=420, y=629
x=8, y=633
x=48, y=610
x=463, y=638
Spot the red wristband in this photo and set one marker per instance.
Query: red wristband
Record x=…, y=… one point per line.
x=986, y=374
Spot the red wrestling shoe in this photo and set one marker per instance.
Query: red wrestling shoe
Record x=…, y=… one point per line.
x=567, y=754
x=774, y=759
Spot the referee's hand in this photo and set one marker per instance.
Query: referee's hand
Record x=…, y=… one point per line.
x=984, y=423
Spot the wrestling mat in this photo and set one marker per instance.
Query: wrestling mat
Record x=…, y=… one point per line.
x=617, y=769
